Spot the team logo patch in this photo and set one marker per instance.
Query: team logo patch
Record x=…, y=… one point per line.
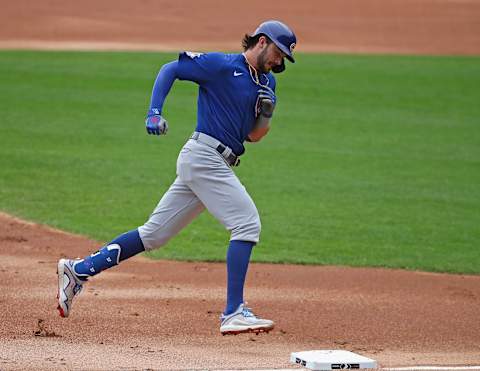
x=292, y=46
x=193, y=54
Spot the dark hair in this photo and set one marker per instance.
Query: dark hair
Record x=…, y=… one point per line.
x=249, y=42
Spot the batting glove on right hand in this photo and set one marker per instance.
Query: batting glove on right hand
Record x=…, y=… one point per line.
x=155, y=123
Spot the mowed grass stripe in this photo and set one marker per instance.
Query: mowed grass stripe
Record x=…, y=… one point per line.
x=372, y=160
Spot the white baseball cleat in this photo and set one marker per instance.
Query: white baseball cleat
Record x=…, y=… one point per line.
x=244, y=321
x=68, y=286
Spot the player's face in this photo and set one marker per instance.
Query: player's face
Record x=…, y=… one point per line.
x=269, y=57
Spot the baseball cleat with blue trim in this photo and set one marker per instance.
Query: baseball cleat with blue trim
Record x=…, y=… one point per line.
x=244, y=321
x=69, y=286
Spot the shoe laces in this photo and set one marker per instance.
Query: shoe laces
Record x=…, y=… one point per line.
x=77, y=288
x=247, y=312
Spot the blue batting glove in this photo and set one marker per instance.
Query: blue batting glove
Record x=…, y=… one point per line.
x=155, y=123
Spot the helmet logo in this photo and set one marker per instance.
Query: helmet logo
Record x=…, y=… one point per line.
x=292, y=46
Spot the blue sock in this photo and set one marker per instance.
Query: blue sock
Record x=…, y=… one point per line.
x=121, y=248
x=238, y=257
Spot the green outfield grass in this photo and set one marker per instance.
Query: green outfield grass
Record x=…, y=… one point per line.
x=372, y=160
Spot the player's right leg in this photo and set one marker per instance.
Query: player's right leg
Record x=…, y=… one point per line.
x=219, y=189
x=177, y=208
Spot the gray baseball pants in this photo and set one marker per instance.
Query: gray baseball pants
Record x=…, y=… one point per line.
x=204, y=180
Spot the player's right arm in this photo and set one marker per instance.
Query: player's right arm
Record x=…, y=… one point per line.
x=197, y=67
x=155, y=123
x=201, y=68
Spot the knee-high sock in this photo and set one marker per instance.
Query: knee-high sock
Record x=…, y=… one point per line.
x=238, y=257
x=121, y=248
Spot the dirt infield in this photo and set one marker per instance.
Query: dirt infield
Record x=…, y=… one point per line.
x=382, y=26
x=164, y=315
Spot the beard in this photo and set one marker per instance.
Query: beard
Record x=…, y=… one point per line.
x=262, y=61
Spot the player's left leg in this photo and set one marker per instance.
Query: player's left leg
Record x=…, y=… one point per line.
x=72, y=274
x=177, y=208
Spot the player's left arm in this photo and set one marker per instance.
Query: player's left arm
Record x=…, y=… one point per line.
x=265, y=104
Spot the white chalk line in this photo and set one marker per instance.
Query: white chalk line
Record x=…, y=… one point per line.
x=430, y=368
x=409, y=368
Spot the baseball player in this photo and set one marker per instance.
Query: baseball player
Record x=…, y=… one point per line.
x=236, y=101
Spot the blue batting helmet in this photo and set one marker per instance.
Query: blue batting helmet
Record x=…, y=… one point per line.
x=281, y=35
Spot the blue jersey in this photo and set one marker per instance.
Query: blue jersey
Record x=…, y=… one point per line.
x=227, y=95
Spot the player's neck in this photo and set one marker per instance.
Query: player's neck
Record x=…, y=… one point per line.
x=251, y=58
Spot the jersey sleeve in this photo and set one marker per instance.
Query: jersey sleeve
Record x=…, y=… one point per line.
x=163, y=83
x=272, y=82
x=200, y=67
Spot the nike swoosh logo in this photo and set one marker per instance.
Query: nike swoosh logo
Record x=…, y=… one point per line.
x=235, y=73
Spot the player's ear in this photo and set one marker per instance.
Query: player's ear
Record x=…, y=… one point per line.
x=263, y=41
